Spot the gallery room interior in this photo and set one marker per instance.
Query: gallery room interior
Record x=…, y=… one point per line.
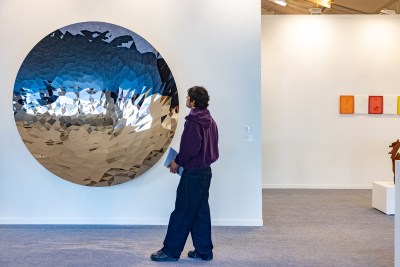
x=293, y=184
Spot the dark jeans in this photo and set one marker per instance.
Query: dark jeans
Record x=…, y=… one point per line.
x=191, y=214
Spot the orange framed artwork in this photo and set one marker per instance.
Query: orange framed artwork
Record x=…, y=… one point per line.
x=346, y=104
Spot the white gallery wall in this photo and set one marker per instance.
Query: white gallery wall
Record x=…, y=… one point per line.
x=307, y=63
x=203, y=45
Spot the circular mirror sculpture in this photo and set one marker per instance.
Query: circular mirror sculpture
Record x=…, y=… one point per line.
x=95, y=104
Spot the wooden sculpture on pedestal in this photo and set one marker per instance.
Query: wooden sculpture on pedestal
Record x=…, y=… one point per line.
x=395, y=155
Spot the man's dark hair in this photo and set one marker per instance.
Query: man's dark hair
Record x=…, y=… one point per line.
x=200, y=95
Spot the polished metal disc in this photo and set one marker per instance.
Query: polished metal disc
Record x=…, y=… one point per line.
x=95, y=104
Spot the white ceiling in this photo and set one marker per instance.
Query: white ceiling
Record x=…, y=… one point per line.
x=337, y=7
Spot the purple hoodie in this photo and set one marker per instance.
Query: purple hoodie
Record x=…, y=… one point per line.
x=199, y=141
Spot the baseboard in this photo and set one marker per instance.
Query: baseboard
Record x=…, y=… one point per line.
x=314, y=186
x=223, y=222
x=77, y=221
x=80, y=221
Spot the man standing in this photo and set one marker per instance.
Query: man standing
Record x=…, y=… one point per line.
x=198, y=150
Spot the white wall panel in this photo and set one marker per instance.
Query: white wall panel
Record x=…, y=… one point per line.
x=307, y=63
x=202, y=44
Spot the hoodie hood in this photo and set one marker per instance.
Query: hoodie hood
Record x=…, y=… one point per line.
x=200, y=116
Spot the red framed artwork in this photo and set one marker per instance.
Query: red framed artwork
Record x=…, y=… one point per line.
x=375, y=105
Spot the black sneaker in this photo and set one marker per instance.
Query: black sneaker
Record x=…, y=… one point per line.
x=195, y=255
x=161, y=256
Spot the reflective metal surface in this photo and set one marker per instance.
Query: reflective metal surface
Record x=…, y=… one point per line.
x=95, y=104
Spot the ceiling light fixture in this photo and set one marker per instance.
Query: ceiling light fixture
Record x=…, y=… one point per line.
x=387, y=12
x=315, y=11
x=324, y=3
x=279, y=2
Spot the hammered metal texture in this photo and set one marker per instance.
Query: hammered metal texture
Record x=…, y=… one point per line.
x=95, y=104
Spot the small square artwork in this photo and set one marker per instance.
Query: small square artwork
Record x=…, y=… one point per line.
x=361, y=104
x=390, y=104
x=346, y=104
x=375, y=105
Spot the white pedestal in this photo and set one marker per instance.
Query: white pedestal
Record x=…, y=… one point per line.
x=383, y=194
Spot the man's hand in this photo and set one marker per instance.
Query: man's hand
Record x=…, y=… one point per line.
x=173, y=167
